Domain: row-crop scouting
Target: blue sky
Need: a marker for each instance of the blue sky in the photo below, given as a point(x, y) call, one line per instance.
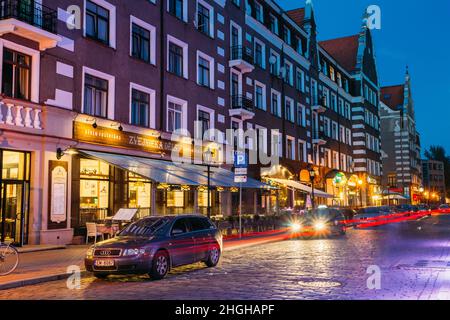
point(414, 33)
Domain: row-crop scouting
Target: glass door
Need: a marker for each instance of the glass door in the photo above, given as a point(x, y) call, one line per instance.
point(12, 212)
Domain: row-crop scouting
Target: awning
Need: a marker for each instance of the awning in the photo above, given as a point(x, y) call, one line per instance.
point(302, 187)
point(172, 173)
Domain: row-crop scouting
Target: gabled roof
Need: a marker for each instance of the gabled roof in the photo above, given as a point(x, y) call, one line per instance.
point(393, 96)
point(298, 15)
point(343, 50)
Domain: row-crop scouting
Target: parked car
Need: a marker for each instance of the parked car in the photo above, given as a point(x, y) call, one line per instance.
point(320, 222)
point(368, 214)
point(154, 245)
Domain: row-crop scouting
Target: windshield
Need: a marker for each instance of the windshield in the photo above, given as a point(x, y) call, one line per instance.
point(324, 214)
point(144, 228)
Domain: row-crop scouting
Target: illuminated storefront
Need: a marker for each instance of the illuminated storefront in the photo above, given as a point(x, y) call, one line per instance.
point(14, 200)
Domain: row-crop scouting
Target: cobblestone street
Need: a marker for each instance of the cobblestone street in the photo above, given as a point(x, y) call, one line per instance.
point(413, 258)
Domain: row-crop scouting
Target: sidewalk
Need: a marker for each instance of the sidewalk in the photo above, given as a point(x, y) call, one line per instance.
point(50, 265)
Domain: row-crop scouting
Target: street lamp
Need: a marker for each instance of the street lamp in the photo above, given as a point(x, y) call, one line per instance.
point(208, 159)
point(312, 176)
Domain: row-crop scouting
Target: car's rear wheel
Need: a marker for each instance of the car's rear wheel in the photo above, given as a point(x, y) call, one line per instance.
point(100, 275)
point(213, 257)
point(160, 265)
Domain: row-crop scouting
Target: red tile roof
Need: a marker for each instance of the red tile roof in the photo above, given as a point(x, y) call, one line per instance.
point(343, 50)
point(298, 15)
point(393, 96)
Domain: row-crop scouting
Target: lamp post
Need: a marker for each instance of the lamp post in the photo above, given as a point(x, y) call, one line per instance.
point(312, 176)
point(208, 159)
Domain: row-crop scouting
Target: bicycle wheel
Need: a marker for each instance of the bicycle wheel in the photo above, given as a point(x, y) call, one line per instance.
point(9, 259)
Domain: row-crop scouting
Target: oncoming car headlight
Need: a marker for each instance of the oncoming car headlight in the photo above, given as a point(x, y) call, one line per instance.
point(133, 252)
point(296, 227)
point(320, 226)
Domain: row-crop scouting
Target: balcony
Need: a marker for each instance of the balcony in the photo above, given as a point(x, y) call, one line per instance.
point(31, 21)
point(320, 106)
point(20, 114)
point(242, 107)
point(319, 138)
point(242, 59)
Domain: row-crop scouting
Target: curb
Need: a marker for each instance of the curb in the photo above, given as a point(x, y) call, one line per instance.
point(37, 249)
point(38, 280)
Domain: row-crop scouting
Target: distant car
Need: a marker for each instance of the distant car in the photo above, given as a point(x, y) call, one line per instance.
point(444, 206)
point(406, 208)
point(154, 245)
point(423, 207)
point(370, 214)
point(320, 222)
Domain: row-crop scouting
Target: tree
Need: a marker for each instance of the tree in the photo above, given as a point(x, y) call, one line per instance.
point(438, 153)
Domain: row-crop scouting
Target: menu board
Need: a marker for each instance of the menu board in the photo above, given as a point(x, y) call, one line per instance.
point(58, 194)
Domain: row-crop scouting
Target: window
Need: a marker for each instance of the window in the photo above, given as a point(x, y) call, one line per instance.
point(140, 108)
point(287, 35)
point(94, 185)
point(174, 116)
point(289, 73)
point(236, 84)
point(176, 59)
point(260, 96)
point(299, 47)
point(273, 24)
point(290, 148)
point(334, 131)
point(300, 80)
point(332, 74)
point(275, 106)
point(289, 110)
point(205, 18)
point(97, 22)
point(175, 199)
point(341, 107)
point(275, 66)
point(302, 151)
point(204, 119)
point(347, 111)
point(314, 93)
point(203, 72)
point(326, 95)
point(260, 55)
point(175, 7)
point(334, 102)
point(236, 2)
point(301, 115)
point(259, 14)
point(16, 82)
point(339, 79)
point(141, 43)
point(95, 96)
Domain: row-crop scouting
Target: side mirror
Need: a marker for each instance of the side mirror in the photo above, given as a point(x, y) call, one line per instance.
point(177, 232)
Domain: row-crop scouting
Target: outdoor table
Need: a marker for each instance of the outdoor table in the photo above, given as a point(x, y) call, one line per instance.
point(109, 230)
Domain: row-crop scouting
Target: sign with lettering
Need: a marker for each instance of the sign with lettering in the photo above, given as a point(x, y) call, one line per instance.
point(112, 137)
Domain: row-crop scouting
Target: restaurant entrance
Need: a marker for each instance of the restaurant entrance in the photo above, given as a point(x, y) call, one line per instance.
point(14, 196)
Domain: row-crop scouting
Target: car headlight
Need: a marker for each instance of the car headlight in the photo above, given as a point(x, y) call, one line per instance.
point(90, 252)
point(295, 227)
point(320, 226)
point(133, 252)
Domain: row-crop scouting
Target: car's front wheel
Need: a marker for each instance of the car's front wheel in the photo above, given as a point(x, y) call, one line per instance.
point(213, 257)
point(160, 265)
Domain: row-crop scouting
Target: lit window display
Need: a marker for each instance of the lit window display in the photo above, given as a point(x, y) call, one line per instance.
point(175, 199)
point(203, 198)
point(139, 194)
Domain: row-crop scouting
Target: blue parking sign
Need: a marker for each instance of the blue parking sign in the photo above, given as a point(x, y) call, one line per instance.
point(240, 160)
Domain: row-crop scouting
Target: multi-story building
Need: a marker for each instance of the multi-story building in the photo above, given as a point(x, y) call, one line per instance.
point(93, 91)
point(400, 142)
point(433, 181)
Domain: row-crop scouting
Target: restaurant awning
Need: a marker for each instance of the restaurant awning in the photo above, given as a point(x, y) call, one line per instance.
point(302, 187)
point(172, 173)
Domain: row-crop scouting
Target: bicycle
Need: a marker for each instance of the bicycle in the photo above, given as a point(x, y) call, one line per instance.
point(9, 259)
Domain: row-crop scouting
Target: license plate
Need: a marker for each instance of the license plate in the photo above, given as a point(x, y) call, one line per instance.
point(104, 263)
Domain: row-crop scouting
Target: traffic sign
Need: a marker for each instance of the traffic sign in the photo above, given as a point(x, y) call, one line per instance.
point(240, 159)
point(240, 179)
point(240, 171)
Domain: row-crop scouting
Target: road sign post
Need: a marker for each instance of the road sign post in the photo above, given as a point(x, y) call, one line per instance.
point(240, 176)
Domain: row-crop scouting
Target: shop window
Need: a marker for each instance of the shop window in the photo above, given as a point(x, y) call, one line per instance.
point(203, 198)
point(175, 199)
point(94, 189)
point(16, 75)
point(139, 194)
point(13, 165)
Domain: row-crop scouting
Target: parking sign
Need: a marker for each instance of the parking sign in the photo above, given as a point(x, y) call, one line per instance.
point(240, 159)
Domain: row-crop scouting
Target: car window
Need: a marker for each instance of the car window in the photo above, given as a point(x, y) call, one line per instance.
point(181, 224)
point(144, 227)
point(199, 224)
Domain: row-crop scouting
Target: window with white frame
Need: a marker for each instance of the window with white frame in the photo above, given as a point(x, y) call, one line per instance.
point(327, 158)
point(301, 115)
point(275, 66)
point(342, 134)
point(335, 160)
point(178, 8)
point(205, 122)
point(205, 70)
point(205, 18)
point(262, 138)
point(289, 110)
point(98, 93)
point(259, 13)
point(290, 147)
point(176, 114)
point(289, 73)
point(343, 163)
point(177, 57)
point(333, 102)
point(100, 21)
point(273, 24)
point(348, 111)
point(277, 143)
point(260, 53)
point(142, 106)
point(143, 40)
point(348, 134)
point(300, 80)
point(327, 127)
point(260, 96)
point(275, 103)
point(334, 130)
point(302, 153)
